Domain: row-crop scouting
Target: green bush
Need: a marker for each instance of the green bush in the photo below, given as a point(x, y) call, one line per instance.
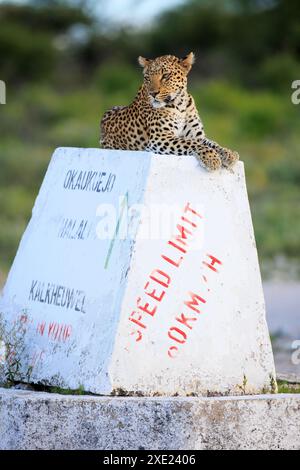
point(112, 77)
point(24, 55)
point(279, 71)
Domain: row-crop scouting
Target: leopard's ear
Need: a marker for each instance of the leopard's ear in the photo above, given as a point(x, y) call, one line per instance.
point(188, 61)
point(143, 62)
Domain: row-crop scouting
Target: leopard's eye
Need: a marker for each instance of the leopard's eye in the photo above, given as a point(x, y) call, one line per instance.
point(165, 76)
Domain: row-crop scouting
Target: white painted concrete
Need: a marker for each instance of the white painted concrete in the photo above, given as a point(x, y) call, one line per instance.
point(134, 325)
point(31, 420)
point(228, 347)
point(69, 282)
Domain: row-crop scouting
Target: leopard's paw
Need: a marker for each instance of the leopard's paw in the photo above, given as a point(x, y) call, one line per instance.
point(228, 157)
point(210, 159)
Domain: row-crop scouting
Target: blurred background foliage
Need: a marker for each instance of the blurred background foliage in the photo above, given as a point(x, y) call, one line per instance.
point(64, 66)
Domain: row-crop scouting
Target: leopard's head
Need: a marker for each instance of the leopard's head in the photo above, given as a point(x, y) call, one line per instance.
point(165, 77)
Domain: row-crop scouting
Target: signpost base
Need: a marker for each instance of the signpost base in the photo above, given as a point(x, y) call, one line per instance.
point(138, 274)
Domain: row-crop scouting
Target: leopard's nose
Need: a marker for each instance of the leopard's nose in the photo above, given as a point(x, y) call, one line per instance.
point(154, 93)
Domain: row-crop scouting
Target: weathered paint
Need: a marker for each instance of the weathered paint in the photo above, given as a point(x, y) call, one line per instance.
point(265, 422)
point(155, 314)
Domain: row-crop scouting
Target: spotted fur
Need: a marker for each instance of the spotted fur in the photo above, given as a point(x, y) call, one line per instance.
point(163, 117)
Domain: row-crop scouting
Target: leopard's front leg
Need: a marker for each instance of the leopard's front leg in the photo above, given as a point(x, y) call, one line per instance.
point(167, 143)
point(193, 129)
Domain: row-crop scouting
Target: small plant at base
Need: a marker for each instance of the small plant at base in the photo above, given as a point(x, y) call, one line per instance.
point(244, 385)
point(13, 350)
point(273, 384)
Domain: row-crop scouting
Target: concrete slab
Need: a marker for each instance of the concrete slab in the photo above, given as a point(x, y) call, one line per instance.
point(31, 420)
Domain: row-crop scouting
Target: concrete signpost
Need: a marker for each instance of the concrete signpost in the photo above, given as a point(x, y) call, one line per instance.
point(138, 273)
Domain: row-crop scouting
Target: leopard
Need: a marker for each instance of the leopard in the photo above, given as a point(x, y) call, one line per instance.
point(163, 118)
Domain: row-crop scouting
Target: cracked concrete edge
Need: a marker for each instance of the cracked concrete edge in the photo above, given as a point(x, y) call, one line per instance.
point(38, 420)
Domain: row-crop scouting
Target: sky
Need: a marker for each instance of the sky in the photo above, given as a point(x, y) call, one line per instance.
point(134, 11)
